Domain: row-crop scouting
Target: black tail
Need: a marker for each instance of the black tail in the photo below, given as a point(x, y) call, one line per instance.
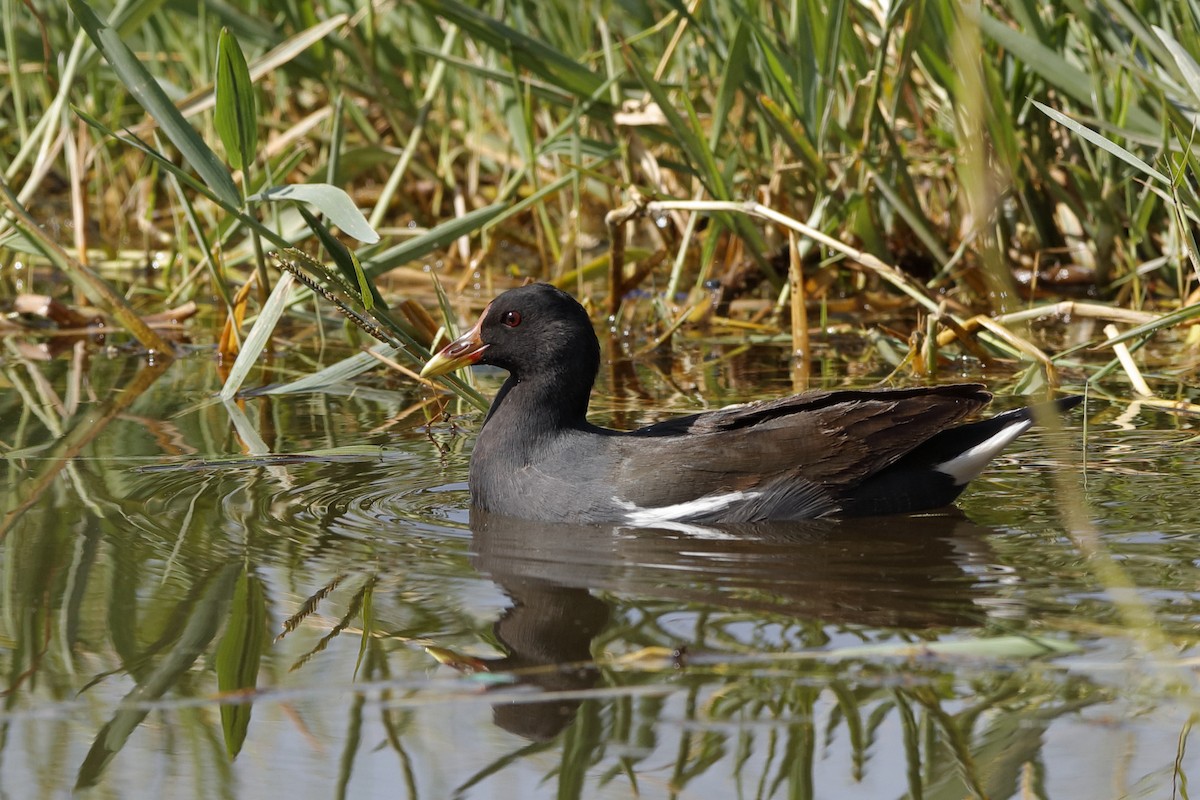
point(935, 472)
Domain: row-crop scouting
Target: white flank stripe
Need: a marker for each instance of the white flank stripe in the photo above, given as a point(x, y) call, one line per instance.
point(966, 465)
point(681, 511)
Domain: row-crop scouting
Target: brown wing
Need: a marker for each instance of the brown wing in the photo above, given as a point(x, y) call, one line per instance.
point(801, 450)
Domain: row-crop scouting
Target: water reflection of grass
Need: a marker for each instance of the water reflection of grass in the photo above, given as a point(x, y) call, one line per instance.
point(680, 665)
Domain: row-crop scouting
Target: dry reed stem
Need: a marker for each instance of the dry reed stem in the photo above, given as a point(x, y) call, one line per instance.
point(1127, 363)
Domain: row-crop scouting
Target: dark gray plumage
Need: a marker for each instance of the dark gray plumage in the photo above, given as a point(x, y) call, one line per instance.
point(816, 454)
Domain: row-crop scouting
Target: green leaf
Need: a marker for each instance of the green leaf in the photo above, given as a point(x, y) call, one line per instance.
point(731, 81)
point(433, 239)
point(334, 203)
point(233, 207)
point(347, 262)
point(1053, 68)
point(1183, 59)
point(149, 94)
point(235, 115)
point(535, 55)
point(260, 334)
point(239, 655)
point(341, 372)
point(1104, 144)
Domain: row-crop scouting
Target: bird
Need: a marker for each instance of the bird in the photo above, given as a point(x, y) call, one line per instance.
point(846, 452)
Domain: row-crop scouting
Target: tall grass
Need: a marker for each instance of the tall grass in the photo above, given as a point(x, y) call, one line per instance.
point(961, 144)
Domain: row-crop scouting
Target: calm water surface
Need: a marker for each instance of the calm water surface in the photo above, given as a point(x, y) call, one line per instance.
point(290, 597)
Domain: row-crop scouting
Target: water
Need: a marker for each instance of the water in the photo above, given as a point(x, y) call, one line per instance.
point(290, 597)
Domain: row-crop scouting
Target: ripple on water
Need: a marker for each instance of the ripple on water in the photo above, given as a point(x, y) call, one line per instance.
point(399, 494)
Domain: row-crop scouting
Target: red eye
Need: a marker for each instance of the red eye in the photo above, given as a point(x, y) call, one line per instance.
point(511, 318)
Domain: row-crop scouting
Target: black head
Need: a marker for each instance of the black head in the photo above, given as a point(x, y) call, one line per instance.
point(536, 332)
point(538, 329)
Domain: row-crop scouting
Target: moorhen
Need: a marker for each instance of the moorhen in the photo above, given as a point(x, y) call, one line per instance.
point(846, 452)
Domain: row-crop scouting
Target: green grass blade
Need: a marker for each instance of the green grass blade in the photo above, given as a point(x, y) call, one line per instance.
point(1183, 59)
point(1053, 68)
point(537, 88)
point(433, 239)
point(341, 372)
point(775, 68)
point(1103, 143)
point(1170, 320)
point(731, 80)
point(257, 339)
point(149, 94)
point(235, 115)
point(539, 58)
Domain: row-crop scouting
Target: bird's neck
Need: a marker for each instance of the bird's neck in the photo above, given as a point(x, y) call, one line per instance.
point(540, 405)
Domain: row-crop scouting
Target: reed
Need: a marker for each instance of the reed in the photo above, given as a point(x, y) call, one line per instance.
point(942, 149)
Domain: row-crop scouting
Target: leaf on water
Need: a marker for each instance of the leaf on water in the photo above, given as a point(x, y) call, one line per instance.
point(333, 202)
point(142, 85)
point(1103, 143)
point(235, 115)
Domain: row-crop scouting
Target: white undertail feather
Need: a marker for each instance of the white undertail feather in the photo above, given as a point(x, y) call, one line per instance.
point(965, 466)
point(690, 509)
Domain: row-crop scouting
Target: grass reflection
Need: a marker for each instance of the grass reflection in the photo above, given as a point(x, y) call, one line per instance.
point(148, 568)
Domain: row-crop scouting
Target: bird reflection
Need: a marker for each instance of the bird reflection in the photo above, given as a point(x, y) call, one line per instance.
point(903, 572)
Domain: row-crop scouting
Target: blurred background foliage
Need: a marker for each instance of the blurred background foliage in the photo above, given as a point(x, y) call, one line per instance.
point(906, 130)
